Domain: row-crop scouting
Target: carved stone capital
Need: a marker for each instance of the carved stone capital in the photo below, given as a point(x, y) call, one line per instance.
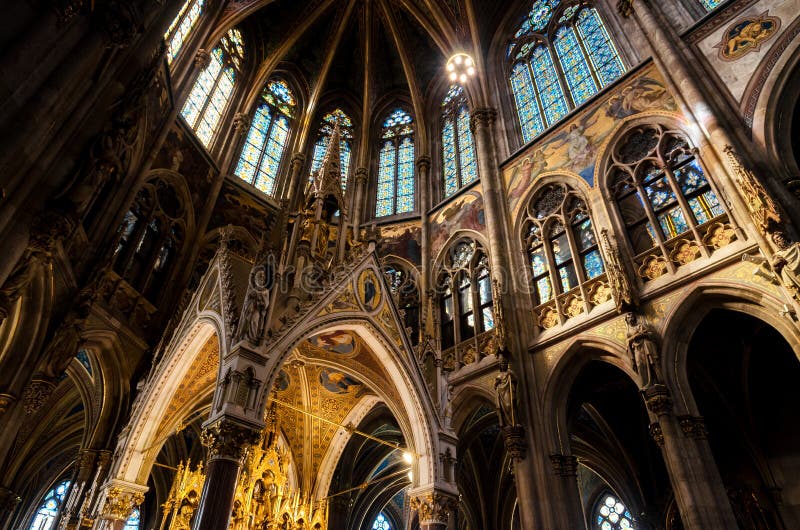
point(434, 507)
point(658, 400)
point(241, 122)
point(298, 158)
point(84, 464)
point(514, 439)
point(8, 500)
point(424, 163)
point(564, 465)
point(625, 8)
point(693, 427)
point(202, 59)
point(657, 434)
point(228, 440)
point(6, 400)
point(362, 174)
point(482, 117)
point(36, 394)
point(120, 502)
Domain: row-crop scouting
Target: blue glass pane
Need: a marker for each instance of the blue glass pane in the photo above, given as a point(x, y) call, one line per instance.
point(385, 198)
point(530, 119)
point(690, 177)
point(381, 523)
point(550, 91)
point(181, 27)
point(573, 63)
point(659, 193)
point(593, 264)
point(538, 262)
point(568, 277)
point(405, 176)
point(585, 235)
point(705, 207)
point(270, 163)
point(344, 161)
point(449, 158)
point(602, 53)
point(469, 165)
point(319, 153)
point(487, 313)
point(398, 117)
point(561, 250)
point(133, 521)
point(711, 5)
point(48, 511)
point(544, 291)
point(672, 222)
point(254, 145)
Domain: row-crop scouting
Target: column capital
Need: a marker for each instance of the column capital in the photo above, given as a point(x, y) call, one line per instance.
point(658, 400)
point(202, 59)
point(228, 440)
point(482, 117)
point(298, 158)
point(424, 162)
point(120, 500)
point(361, 174)
point(514, 439)
point(241, 122)
point(84, 464)
point(434, 507)
point(6, 400)
point(564, 465)
point(693, 427)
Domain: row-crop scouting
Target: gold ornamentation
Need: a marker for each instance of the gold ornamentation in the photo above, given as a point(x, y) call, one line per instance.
point(548, 317)
point(227, 439)
point(574, 306)
point(653, 267)
point(120, 503)
point(763, 209)
point(685, 252)
point(746, 35)
point(434, 508)
point(600, 293)
point(719, 235)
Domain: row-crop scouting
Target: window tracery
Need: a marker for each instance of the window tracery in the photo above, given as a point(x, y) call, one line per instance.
point(460, 167)
point(150, 237)
point(212, 91)
point(611, 514)
point(134, 520)
point(465, 305)
point(48, 511)
point(396, 179)
point(181, 26)
point(663, 198)
point(560, 56)
point(325, 131)
point(266, 141)
point(381, 523)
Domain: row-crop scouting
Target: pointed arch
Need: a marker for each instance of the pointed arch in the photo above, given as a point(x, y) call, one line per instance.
point(396, 193)
point(459, 161)
point(182, 25)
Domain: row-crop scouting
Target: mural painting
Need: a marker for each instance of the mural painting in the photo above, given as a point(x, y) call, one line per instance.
point(466, 212)
point(403, 240)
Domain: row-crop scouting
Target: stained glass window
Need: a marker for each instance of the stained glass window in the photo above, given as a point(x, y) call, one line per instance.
point(458, 148)
point(266, 141)
point(564, 55)
point(325, 131)
point(660, 188)
point(711, 5)
point(381, 523)
point(466, 302)
point(134, 521)
point(181, 27)
point(561, 243)
point(612, 514)
point(211, 92)
point(48, 511)
point(396, 178)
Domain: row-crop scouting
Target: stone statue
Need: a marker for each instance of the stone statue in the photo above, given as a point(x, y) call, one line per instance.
point(786, 263)
point(256, 303)
point(622, 291)
point(643, 350)
point(505, 387)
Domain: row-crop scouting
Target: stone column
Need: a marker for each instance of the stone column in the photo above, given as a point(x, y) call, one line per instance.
point(294, 184)
point(84, 467)
point(8, 503)
point(435, 509)
point(359, 202)
point(700, 495)
point(227, 441)
point(566, 468)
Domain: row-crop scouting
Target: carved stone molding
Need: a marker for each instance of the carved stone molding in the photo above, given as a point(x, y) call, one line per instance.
point(625, 8)
point(564, 465)
point(8, 500)
point(202, 59)
point(434, 507)
point(658, 400)
point(514, 438)
point(228, 440)
point(241, 122)
point(657, 434)
point(482, 117)
point(362, 174)
point(693, 427)
point(36, 394)
point(424, 163)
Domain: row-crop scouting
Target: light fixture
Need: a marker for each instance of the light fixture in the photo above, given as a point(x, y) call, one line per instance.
point(408, 457)
point(460, 67)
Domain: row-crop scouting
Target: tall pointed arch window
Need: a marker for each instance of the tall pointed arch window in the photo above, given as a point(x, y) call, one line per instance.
point(465, 304)
point(47, 513)
point(560, 56)
point(663, 197)
point(611, 514)
point(266, 141)
point(212, 91)
point(325, 131)
point(181, 26)
point(396, 183)
point(460, 167)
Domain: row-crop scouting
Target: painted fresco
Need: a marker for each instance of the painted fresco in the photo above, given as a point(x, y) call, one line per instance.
point(465, 212)
point(402, 240)
point(574, 146)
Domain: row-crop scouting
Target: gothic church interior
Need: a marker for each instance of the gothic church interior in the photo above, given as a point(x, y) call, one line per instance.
point(400, 265)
